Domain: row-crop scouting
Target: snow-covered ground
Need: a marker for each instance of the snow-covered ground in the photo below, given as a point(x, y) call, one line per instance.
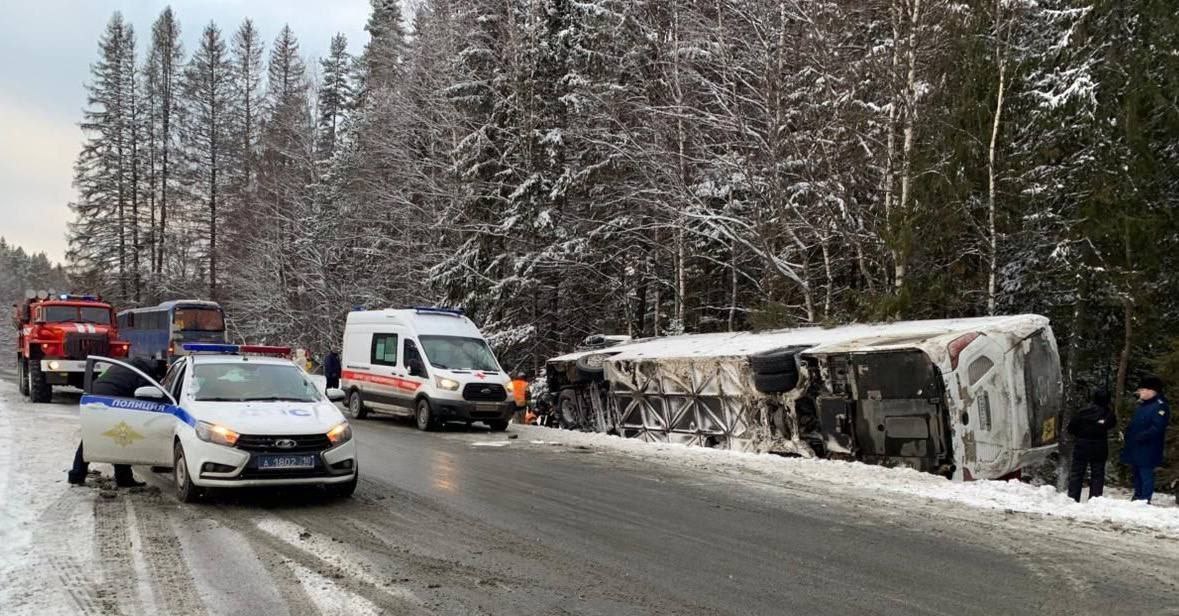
point(1114, 511)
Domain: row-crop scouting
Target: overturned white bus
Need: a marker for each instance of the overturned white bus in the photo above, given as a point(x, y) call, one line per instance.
point(967, 398)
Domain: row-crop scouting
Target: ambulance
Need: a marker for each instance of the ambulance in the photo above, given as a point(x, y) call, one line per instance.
point(431, 364)
point(225, 416)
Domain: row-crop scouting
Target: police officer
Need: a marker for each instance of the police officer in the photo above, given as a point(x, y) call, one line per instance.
point(118, 382)
point(1090, 429)
point(1145, 435)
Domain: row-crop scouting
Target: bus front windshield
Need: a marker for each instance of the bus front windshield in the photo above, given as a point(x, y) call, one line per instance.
point(199, 319)
point(458, 353)
point(251, 382)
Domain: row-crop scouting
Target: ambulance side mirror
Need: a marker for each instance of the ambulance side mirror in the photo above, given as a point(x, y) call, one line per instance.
point(336, 395)
point(149, 392)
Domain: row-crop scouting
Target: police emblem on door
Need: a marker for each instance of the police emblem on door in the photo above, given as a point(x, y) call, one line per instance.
point(122, 434)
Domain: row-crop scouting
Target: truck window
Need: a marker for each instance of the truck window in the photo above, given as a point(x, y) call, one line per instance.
point(384, 349)
point(199, 319)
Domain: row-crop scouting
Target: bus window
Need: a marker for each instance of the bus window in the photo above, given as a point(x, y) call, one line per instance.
point(199, 319)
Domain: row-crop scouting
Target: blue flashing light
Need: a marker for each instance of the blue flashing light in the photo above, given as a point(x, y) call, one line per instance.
point(205, 347)
point(457, 312)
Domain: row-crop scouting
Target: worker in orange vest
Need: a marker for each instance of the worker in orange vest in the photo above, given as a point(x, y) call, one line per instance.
point(520, 393)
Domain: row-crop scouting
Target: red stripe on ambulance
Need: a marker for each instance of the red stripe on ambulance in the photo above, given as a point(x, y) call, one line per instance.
point(377, 379)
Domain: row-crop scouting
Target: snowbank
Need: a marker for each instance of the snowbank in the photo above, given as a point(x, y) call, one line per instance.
point(1114, 512)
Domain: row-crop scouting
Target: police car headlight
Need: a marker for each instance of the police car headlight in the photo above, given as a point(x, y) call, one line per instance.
point(341, 433)
point(445, 383)
point(213, 433)
point(53, 365)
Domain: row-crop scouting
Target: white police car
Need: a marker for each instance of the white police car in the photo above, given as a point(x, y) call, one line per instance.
point(225, 416)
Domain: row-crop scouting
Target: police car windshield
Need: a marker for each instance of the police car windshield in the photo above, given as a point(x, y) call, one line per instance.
point(251, 382)
point(457, 353)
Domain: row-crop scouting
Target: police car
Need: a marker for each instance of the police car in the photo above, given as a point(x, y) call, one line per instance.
point(225, 416)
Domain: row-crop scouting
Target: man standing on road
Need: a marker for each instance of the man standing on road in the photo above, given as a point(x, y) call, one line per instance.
point(1090, 429)
point(331, 369)
point(1145, 435)
point(118, 382)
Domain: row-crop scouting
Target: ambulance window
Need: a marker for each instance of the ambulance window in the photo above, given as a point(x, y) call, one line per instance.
point(384, 349)
point(979, 368)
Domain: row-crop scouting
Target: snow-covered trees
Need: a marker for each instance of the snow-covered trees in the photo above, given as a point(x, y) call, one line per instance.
point(560, 168)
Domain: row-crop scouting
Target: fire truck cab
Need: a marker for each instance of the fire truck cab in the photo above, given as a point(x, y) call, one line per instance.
point(55, 335)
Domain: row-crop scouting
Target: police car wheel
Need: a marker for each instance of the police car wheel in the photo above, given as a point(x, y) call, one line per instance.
point(356, 406)
point(186, 491)
point(425, 416)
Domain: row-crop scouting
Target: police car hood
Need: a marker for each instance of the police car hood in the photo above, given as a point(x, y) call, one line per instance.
point(269, 418)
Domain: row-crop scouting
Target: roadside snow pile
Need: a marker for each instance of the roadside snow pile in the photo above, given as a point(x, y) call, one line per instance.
point(1010, 496)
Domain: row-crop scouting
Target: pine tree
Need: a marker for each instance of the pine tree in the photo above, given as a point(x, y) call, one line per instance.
point(208, 137)
point(104, 169)
point(162, 75)
point(334, 96)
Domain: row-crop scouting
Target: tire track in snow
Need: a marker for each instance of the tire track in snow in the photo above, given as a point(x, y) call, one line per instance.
point(117, 592)
point(172, 585)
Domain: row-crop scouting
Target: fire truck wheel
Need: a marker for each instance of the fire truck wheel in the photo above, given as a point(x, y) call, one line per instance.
point(39, 389)
point(21, 377)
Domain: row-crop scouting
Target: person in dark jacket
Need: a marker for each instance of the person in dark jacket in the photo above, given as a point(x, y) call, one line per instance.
point(1145, 435)
point(1090, 429)
point(331, 369)
point(117, 382)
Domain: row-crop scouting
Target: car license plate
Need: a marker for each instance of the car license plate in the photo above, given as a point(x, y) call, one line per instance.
point(285, 462)
point(487, 407)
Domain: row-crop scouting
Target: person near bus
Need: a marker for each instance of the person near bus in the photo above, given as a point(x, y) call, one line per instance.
point(520, 395)
point(1090, 429)
point(1145, 435)
point(331, 369)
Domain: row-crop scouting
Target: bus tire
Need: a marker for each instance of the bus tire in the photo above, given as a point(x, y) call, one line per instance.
point(39, 389)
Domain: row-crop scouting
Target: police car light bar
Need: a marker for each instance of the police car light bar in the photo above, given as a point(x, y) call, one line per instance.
point(457, 312)
point(236, 349)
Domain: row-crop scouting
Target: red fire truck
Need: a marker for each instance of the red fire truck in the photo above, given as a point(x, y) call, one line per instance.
point(55, 335)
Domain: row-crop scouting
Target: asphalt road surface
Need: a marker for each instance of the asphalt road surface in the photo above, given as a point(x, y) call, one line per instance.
point(460, 523)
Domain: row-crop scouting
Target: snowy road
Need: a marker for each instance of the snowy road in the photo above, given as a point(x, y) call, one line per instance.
point(472, 523)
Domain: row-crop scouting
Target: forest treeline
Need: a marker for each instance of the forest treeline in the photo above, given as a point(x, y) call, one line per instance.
point(560, 168)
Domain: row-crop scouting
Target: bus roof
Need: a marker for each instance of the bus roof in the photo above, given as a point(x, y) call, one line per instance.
point(176, 303)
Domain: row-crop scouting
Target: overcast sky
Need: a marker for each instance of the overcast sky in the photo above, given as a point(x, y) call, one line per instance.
point(46, 48)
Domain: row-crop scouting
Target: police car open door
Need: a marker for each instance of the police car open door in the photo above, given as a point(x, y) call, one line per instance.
point(123, 429)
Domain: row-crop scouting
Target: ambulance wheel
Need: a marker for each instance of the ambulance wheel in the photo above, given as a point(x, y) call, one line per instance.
point(186, 490)
point(356, 406)
point(424, 416)
point(39, 389)
point(22, 380)
point(344, 490)
point(498, 425)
